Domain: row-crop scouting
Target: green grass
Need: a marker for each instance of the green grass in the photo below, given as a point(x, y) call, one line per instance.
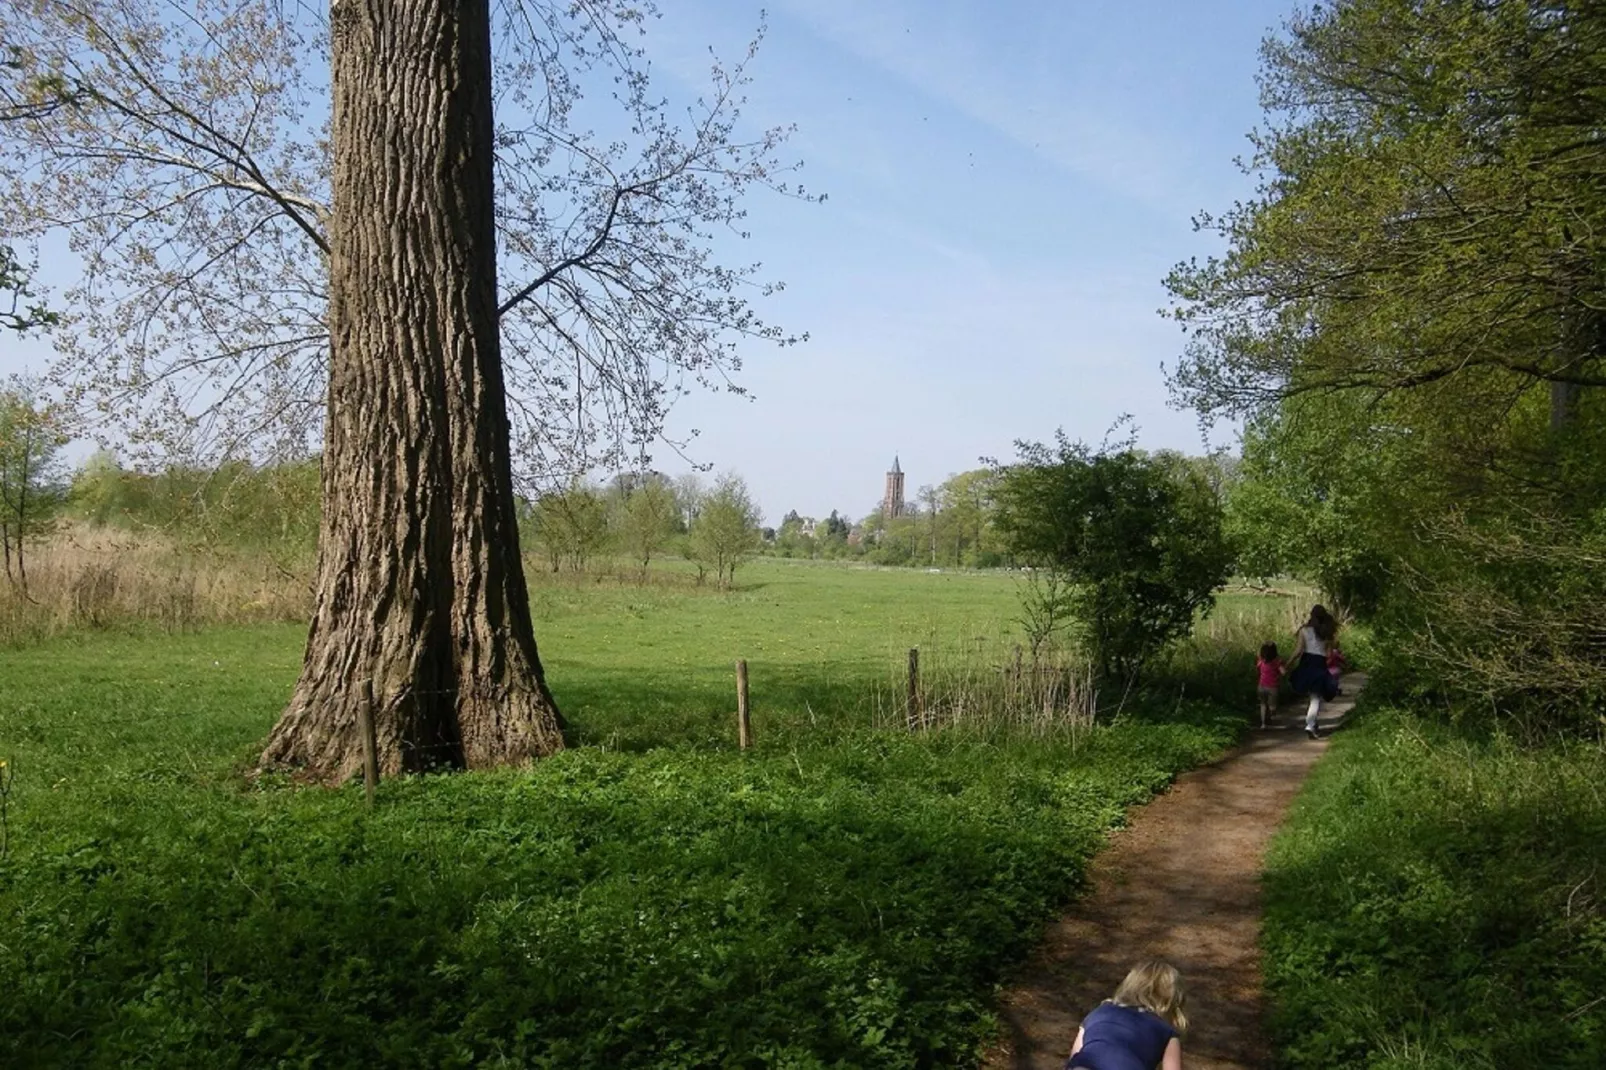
point(1439, 900)
point(634, 667)
point(841, 896)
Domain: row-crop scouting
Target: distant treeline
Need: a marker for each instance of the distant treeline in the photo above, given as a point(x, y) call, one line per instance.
point(275, 508)
point(237, 505)
point(633, 516)
point(953, 524)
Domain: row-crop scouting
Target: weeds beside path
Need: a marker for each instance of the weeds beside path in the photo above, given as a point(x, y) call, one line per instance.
point(1180, 883)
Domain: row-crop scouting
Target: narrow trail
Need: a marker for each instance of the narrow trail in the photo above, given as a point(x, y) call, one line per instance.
point(1181, 882)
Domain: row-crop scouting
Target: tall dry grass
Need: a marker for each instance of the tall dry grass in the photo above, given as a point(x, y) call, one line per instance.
point(989, 683)
point(86, 578)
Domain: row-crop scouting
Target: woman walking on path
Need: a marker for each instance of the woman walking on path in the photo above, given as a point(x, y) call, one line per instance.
point(1139, 1028)
point(1310, 675)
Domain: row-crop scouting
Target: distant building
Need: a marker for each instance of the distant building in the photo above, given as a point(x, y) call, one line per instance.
point(892, 500)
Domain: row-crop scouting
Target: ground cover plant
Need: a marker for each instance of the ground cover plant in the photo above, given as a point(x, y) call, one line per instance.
point(1438, 899)
point(839, 896)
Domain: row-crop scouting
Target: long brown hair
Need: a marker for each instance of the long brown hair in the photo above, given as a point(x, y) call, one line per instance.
point(1155, 986)
point(1322, 623)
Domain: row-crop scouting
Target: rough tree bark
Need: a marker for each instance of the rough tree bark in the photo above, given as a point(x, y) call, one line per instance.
point(420, 584)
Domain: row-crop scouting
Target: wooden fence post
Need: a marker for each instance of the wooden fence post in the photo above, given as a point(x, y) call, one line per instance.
point(370, 746)
point(914, 714)
point(744, 719)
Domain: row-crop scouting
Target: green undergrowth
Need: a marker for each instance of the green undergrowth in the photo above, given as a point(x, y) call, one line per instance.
point(841, 898)
point(1438, 900)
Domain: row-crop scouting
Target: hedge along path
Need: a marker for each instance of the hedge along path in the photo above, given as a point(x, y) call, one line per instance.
point(1181, 882)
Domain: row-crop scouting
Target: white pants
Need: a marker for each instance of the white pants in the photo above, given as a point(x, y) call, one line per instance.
point(1311, 711)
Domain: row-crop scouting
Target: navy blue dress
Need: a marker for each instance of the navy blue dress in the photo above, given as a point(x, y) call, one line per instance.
point(1310, 676)
point(1122, 1038)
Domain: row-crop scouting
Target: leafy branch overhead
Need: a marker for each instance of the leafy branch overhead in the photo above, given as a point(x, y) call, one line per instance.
point(18, 312)
point(1428, 210)
point(186, 151)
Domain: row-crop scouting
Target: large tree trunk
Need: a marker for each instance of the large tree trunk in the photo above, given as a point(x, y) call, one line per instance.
point(421, 594)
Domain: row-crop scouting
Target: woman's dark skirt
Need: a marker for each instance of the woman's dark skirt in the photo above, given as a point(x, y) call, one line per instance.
point(1310, 677)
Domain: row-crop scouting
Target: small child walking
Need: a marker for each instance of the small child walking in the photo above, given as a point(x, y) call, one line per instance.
point(1270, 668)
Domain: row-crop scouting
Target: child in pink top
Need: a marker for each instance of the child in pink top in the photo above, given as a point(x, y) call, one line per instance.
point(1271, 669)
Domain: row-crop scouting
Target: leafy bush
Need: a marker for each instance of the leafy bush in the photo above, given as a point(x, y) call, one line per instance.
point(1439, 900)
point(1138, 535)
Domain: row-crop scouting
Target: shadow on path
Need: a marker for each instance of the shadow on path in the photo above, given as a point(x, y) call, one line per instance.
point(1181, 883)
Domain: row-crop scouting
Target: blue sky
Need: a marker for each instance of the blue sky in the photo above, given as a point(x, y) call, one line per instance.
point(1008, 182)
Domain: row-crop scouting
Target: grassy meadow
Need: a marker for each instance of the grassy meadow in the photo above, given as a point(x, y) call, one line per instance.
point(1438, 899)
point(846, 894)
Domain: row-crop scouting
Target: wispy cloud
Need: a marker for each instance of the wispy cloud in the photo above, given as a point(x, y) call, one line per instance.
point(1040, 101)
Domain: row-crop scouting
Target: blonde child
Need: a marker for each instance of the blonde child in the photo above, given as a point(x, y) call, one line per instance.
point(1139, 1028)
point(1269, 669)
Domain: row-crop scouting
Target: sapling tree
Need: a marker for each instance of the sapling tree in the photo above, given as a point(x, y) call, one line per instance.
point(485, 236)
point(571, 525)
point(1047, 605)
point(725, 533)
point(32, 433)
point(645, 516)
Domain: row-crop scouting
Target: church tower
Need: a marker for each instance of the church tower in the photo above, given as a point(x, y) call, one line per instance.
point(892, 501)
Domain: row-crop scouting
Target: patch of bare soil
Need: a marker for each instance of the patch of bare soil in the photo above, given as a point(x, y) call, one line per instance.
point(1181, 882)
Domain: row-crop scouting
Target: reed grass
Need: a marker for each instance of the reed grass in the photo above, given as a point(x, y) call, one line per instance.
point(985, 680)
point(93, 579)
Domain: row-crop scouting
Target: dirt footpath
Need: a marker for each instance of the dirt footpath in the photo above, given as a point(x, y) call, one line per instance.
point(1181, 883)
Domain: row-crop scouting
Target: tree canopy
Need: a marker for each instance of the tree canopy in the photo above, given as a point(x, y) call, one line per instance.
point(725, 533)
point(1410, 314)
point(186, 152)
point(1428, 212)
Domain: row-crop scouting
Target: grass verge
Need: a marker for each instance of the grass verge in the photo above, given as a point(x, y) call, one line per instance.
point(1438, 899)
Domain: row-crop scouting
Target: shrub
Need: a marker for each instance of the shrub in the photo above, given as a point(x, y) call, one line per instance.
point(1139, 537)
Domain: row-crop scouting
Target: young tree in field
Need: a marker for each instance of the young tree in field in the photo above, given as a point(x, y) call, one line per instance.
point(930, 499)
point(725, 533)
point(260, 268)
point(646, 518)
point(572, 525)
point(1140, 539)
point(31, 486)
